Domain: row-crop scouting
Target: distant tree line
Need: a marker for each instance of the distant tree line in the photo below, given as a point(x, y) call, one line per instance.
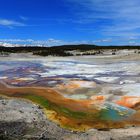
point(64, 50)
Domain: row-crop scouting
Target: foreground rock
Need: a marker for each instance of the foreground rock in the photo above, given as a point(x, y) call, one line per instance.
point(21, 119)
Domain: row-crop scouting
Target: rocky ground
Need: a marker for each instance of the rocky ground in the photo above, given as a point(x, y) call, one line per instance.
point(22, 120)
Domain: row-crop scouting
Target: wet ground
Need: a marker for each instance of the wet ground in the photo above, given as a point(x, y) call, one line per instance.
point(100, 90)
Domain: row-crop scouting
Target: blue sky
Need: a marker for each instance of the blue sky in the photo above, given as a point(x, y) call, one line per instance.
point(54, 22)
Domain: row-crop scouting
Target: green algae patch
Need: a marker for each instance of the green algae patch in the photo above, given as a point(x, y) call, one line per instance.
point(73, 114)
point(39, 100)
point(59, 109)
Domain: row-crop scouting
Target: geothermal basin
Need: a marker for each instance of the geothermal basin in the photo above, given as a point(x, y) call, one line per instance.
point(77, 93)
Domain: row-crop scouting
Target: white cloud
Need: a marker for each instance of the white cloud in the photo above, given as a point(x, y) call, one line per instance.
point(23, 18)
point(102, 40)
point(109, 17)
point(10, 23)
point(48, 42)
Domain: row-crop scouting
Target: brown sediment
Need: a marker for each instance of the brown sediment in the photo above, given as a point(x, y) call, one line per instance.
point(54, 97)
point(49, 94)
point(71, 104)
point(129, 101)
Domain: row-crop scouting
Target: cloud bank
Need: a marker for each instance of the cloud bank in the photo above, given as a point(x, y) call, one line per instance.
point(57, 42)
point(115, 18)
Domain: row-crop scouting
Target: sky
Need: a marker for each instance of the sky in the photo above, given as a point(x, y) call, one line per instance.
point(57, 22)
